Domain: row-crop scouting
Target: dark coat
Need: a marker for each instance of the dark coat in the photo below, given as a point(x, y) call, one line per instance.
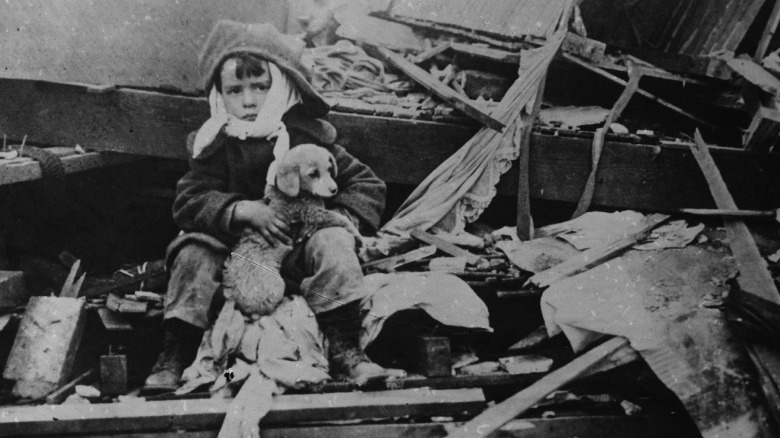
point(231, 170)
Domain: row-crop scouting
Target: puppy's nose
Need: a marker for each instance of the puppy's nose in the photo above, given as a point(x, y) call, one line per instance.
point(333, 190)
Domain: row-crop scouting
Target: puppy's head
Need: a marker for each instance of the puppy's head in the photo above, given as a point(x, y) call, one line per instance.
point(307, 168)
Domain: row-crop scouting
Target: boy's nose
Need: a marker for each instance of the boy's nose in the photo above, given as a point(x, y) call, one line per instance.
point(249, 99)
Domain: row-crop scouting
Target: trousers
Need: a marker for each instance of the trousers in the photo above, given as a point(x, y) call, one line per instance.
point(325, 270)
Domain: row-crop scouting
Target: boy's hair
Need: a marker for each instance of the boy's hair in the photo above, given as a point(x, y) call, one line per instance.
point(247, 64)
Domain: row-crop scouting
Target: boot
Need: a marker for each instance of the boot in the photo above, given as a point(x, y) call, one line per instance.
point(341, 327)
point(180, 346)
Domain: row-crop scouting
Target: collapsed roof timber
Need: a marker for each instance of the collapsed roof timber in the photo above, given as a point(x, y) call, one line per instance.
point(585, 191)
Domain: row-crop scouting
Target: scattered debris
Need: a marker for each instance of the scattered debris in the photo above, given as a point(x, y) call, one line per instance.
point(526, 364)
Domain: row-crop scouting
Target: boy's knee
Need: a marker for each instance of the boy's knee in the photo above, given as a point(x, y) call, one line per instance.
point(334, 237)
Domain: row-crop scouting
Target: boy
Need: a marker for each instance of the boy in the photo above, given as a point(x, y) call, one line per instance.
point(261, 105)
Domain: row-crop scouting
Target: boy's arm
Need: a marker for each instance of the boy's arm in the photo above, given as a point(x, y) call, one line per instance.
point(202, 201)
point(361, 193)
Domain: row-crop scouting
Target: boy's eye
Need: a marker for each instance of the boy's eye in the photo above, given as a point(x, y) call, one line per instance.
point(233, 90)
point(260, 87)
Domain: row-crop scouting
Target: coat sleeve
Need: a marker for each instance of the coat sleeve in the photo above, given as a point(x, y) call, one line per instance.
point(203, 202)
point(361, 192)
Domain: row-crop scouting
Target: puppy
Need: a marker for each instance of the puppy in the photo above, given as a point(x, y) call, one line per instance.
point(304, 179)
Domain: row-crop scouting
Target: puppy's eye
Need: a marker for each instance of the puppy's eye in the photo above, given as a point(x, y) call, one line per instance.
point(314, 174)
point(330, 170)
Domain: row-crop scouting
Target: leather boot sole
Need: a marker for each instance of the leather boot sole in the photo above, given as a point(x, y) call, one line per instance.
point(161, 382)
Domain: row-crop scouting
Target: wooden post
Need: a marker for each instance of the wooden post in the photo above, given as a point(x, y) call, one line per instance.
point(769, 32)
point(754, 277)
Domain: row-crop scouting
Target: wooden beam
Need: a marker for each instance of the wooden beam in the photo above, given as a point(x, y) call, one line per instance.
point(61, 394)
point(583, 426)
point(634, 176)
point(444, 246)
point(755, 74)
point(494, 417)
point(601, 72)
point(481, 51)
point(754, 277)
point(29, 170)
point(763, 131)
point(731, 213)
point(598, 140)
point(430, 53)
point(449, 95)
point(524, 221)
point(63, 420)
point(595, 256)
point(769, 32)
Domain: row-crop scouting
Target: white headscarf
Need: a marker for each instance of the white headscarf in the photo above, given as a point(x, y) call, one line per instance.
point(282, 95)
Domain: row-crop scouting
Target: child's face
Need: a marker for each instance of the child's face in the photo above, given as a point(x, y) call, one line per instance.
point(244, 97)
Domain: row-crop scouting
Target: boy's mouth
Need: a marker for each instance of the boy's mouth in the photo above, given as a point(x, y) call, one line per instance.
point(249, 117)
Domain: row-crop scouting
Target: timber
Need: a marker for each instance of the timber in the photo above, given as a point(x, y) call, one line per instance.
point(754, 277)
point(209, 414)
point(635, 176)
point(29, 170)
point(494, 417)
point(597, 255)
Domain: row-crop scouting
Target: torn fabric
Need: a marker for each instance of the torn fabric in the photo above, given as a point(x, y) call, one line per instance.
point(445, 297)
point(461, 188)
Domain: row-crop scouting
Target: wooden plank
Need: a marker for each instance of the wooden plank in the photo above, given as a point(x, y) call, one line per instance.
point(598, 140)
point(444, 246)
point(449, 95)
point(494, 417)
point(755, 74)
point(634, 176)
point(730, 213)
point(754, 277)
point(763, 131)
point(769, 32)
point(483, 51)
point(430, 53)
point(601, 72)
point(389, 264)
point(595, 256)
point(524, 220)
point(590, 426)
point(61, 394)
point(31, 170)
point(209, 413)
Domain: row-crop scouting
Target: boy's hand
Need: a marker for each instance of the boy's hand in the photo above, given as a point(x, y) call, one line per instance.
point(261, 217)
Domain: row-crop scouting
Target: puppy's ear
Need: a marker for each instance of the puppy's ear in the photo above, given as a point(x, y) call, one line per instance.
point(288, 180)
point(332, 160)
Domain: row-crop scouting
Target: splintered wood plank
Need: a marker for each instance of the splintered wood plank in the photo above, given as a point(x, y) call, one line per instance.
point(449, 95)
point(595, 256)
point(209, 413)
point(494, 417)
point(754, 276)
